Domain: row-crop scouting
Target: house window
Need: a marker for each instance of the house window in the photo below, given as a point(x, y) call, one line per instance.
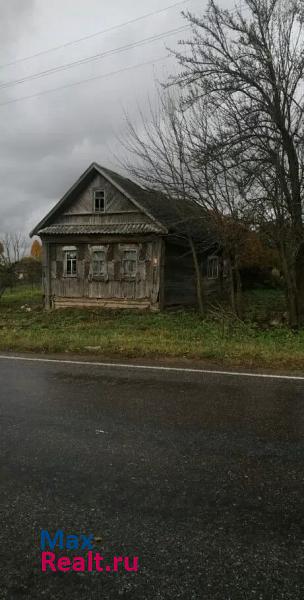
point(99, 265)
point(99, 201)
point(129, 263)
point(213, 267)
point(225, 267)
point(71, 263)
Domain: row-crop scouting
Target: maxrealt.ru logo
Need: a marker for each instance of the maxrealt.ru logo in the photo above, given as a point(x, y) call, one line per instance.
point(87, 562)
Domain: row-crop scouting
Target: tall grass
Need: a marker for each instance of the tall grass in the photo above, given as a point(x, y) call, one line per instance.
point(25, 326)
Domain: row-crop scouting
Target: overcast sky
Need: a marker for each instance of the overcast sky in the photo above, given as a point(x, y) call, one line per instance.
point(47, 141)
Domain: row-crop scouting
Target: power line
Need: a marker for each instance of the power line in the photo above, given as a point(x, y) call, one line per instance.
point(93, 58)
point(96, 34)
point(112, 73)
point(105, 75)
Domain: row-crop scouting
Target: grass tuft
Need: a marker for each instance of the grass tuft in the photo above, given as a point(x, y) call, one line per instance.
point(25, 326)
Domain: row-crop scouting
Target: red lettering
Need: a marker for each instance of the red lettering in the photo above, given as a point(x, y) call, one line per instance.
point(117, 560)
point(64, 564)
point(47, 560)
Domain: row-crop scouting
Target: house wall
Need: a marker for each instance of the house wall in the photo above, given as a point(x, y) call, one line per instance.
point(165, 272)
point(119, 209)
point(113, 290)
point(179, 277)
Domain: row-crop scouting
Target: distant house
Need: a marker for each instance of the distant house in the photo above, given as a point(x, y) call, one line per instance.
point(109, 242)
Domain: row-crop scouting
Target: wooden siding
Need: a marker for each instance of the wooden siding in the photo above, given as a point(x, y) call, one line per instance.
point(86, 289)
point(119, 209)
point(115, 200)
point(179, 276)
point(165, 273)
point(179, 287)
point(99, 219)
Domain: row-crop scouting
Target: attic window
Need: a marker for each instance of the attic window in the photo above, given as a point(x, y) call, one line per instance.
point(99, 201)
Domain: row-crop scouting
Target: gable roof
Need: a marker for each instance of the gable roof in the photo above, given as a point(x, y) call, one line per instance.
point(167, 214)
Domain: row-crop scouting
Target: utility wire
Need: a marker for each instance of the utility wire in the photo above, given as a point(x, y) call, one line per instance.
point(93, 35)
point(94, 58)
point(105, 75)
point(112, 73)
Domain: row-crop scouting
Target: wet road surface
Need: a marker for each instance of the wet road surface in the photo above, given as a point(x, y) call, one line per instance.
point(199, 475)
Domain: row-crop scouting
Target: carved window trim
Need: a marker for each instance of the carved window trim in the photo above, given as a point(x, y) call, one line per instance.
point(125, 272)
point(93, 276)
point(70, 262)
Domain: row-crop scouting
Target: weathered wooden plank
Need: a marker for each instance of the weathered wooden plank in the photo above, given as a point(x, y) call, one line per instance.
point(115, 285)
point(115, 200)
point(102, 218)
point(179, 276)
point(64, 302)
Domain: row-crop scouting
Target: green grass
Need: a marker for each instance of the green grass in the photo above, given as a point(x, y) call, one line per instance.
point(180, 334)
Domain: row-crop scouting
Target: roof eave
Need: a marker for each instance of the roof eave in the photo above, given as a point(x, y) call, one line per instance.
point(62, 200)
point(129, 196)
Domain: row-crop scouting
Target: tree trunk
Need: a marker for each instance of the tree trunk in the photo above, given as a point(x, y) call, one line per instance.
point(235, 286)
point(290, 278)
point(199, 278)
point(299, 269)
point(238, 288)
point(292, 303)
point(232, 289)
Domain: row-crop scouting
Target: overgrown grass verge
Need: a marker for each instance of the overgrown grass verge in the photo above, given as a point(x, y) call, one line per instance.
point(25, 326)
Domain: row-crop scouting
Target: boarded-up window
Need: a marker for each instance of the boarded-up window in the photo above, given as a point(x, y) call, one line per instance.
point(110, 252)
point(129, 262)
point(99, 264)
point(71, 263)
point(143, 251)
point(213, 267)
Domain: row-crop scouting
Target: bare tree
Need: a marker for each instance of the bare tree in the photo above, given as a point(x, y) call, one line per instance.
point(177, 151)
point(13, 247)
point(12, 250)
point(222, 187)
point(161, 163)
point(249, 65)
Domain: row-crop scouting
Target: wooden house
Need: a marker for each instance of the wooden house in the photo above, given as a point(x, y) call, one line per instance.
point(110, 243)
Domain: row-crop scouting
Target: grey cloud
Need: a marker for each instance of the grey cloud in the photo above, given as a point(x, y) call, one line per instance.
point(47, 141)
point(14, 19)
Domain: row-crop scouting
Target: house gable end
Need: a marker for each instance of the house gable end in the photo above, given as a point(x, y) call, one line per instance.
point(77, 205)
point(115, 201)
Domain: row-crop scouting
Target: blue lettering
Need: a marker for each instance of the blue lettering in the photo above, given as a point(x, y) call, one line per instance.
point(87, 542)
point(47, 541)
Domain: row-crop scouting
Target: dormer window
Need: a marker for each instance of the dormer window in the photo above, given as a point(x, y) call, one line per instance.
point(99, 201)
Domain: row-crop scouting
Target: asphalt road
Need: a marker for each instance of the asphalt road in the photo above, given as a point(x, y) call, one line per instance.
point(199, 475)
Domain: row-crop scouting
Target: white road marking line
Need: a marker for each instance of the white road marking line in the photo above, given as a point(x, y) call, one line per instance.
point(153, 368)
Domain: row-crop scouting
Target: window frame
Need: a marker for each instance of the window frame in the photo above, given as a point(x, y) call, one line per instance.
point(128, 248)
point(73, 260)
point(100, 276)
point(210, 269)
point(98, 191)
point(103, 274)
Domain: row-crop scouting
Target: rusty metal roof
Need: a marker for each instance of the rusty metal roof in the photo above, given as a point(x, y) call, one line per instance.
point(106, 229)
